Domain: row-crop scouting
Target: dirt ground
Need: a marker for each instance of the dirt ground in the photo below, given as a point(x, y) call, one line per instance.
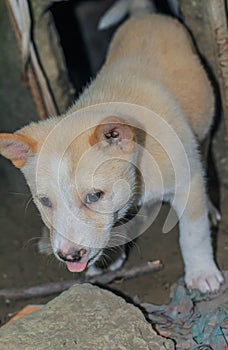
point(20, 262)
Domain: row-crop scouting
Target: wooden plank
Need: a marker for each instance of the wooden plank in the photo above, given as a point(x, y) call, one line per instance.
point(27, 310)
point(45, 70)
point(207, 21)
point(218, 21)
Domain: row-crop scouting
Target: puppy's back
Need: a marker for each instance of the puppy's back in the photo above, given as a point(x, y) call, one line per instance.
point(165, 53)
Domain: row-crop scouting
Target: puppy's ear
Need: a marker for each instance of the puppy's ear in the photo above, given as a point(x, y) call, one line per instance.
point(18, 148)
point(115, 133)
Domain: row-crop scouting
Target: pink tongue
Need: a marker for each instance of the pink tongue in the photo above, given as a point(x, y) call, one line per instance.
point(76, 266)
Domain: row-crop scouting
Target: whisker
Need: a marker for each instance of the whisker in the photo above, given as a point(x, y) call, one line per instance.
point(18, 193)
point(104, 259)
point(31, 242)
point(52, 258)
point(117, 242)
point(124, 235)
point(135, 245)
point(117, 248)
point(27, 204)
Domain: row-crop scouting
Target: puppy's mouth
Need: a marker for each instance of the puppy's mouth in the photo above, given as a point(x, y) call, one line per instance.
point(77, 266)
point(80, 266)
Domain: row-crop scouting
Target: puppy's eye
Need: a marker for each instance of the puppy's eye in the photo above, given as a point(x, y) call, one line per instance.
point(93, 197)
point(45, 201)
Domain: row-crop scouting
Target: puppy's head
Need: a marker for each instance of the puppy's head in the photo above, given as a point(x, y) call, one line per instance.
point(82, 183)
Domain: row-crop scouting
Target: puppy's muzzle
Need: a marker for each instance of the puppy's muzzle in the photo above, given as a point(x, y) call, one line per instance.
point(74, 256)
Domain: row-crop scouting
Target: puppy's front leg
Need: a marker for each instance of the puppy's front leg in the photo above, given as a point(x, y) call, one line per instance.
point(195, 240)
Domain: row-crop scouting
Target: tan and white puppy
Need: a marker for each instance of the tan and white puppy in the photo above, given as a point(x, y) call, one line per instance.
point(152, 104)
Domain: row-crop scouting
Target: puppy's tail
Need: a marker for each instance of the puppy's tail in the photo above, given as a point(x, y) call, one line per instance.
point(121, 8)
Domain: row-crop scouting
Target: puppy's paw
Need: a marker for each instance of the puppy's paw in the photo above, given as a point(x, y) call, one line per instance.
point(207, 280)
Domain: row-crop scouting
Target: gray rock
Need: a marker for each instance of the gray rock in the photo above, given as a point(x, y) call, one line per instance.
point(87, 318)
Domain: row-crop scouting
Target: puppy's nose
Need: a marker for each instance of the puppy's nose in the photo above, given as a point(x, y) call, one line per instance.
point(73, 256)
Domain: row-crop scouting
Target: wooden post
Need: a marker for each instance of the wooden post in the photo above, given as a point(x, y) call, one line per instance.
point(217, 15)
point(45, 69)
point(207, 20)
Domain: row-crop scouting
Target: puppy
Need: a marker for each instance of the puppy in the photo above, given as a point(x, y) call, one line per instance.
point(130, 139)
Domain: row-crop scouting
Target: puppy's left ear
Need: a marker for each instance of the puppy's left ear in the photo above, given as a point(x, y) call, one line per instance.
point(17, 148)
point(113, 133)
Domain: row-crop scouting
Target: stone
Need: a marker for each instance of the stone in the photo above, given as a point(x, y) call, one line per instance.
point(87, 318)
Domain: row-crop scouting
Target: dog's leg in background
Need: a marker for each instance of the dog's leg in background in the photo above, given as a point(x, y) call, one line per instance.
point(44, 243)
point(174, 7)
point(122, 8)
point(195, 241)
point(214, 213)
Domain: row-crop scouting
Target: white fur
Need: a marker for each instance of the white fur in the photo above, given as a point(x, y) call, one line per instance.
point(200, 270)
point(165, 105)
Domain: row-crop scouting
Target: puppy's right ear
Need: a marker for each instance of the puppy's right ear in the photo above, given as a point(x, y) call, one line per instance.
point(18, 148)
point(115, 134)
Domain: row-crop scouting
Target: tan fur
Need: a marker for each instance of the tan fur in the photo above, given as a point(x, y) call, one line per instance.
point(160, 52)
point(151, 63)
point(7, 139)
